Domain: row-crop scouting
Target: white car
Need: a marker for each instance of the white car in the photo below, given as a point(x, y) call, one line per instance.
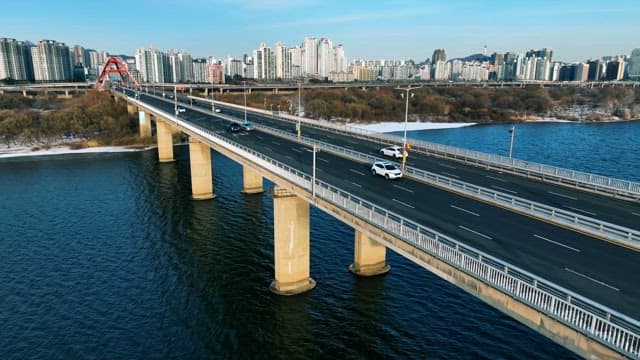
point(217, 109)
point(180, 110)
point(386, 169)
point(393, 151)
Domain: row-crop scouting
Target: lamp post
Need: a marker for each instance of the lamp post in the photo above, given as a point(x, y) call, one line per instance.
point(299, 125)
point(313, 180)
point(406, 117)
point(213, 105)
point(278, 109)
point(512, 130)
point(245, 100)
point(175, 100)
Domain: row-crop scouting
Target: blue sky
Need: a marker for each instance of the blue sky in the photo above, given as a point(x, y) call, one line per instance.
point(371, 29)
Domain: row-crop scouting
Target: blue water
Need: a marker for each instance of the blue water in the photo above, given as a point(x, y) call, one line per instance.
point(610, 149)
point(105, 256)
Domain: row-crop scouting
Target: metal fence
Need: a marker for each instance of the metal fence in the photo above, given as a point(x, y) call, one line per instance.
point(594, 320)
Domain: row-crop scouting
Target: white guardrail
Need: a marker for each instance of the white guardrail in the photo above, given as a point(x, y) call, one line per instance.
point(594, 320)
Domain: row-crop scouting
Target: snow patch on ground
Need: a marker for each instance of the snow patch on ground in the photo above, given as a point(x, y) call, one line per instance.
point(385, 127)
point(16, 151)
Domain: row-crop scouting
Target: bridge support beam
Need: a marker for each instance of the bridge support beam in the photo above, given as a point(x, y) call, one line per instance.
point(200, 163)
point(145, 124)
point(165, 141)
point(291, 244)
point(131, 109)
point(369, 257)
point(251, 181)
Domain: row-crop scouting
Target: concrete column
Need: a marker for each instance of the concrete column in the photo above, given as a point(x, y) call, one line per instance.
point(165, 141)
point(24, 93)
point(200, 162)
point(291, 244)
point(369, 257)
point(145, 125)
point(251, 181)
point(131, 108)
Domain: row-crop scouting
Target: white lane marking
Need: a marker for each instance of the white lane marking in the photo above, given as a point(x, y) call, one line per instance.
point(347, 146)
point(403, 203)
point(447, 166)
point(260, 137)
point(403, 188)
point(288, 157)
point(503, 189)
point(321, 159)
point(356, 171)
point(296, 150)
point(268, 148)
point(592, 279)
point(358, 185)
point(636, 214)
point(475, 232)
point(580, 210)
point(351, 141)
point(276, 143)
point(557, 243)
point(564, 196)
point(464, 210)
point(448, 174)
point(496, 179)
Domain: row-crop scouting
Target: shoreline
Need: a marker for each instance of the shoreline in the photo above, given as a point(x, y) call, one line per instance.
point(24, 151)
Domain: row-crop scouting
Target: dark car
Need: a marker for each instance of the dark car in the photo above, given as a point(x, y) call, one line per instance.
point(235, 127)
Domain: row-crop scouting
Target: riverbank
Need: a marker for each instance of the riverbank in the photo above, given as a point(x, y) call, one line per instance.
point(23, 151)
point(384, 127)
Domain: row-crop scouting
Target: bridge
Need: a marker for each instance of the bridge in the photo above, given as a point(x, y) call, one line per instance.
point(555, 249)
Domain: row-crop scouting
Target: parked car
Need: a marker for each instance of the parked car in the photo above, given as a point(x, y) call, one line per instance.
point(393, 151)
point(248, 126)
point(235, 127)
point(386, 169)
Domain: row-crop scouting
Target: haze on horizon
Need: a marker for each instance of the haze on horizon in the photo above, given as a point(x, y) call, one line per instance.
point(377, 29)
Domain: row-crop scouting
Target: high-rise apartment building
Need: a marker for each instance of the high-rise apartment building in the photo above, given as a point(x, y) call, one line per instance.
point(200, 70)
point(279, 57)
point(615, 70)
point(310, 55)
point(52, 61)
point(326, 58)
point(15, 60)
point(581, 72)
point(596, 70)
point(438, 55)
point(634, 65)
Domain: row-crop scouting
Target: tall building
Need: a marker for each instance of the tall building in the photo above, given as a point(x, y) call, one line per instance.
point(279, 57)
point(310, 55)
point(200, 70)
point(596, 70)
point(154, 65)
point(326, 58)
point(511, 66)
point(341, 59)
point(15, 60)
point(438, 55)
point(582, 72)
point(216, 73)
point(615, 70)
point(52, 61)
point(634, 65)
point(264, 67)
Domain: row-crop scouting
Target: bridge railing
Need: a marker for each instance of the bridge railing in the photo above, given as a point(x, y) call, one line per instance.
point(589, 318)
point(570, 219)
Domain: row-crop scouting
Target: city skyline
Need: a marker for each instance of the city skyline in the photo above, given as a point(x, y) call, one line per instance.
point(381, 30)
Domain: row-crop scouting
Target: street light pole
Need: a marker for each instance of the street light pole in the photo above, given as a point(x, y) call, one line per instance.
point(175, 100)
point(406, 118)
point(213, 105)
point(245, 101)
point(299, 127)
point(513, 133)
point(313, 181)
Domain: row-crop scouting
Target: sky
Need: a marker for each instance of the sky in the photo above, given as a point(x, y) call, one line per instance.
point(368, 29)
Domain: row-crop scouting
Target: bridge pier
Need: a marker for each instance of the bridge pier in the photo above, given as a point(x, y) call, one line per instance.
point(291, 244)
point(200, 165)
point(24, 93)
point(251, 181)
point(145, 125)
point(131, 108)
point(165, 142)
point(369, 256)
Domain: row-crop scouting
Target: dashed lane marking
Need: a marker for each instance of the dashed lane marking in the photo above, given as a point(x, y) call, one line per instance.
point(403, 188)
point(592, 279)
point(557, 243)
point(562, 195)
point(356, 171)
point(464, 210)
point(403, 203)
point(503, 189)
point(580, 210)
point(475, 232)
